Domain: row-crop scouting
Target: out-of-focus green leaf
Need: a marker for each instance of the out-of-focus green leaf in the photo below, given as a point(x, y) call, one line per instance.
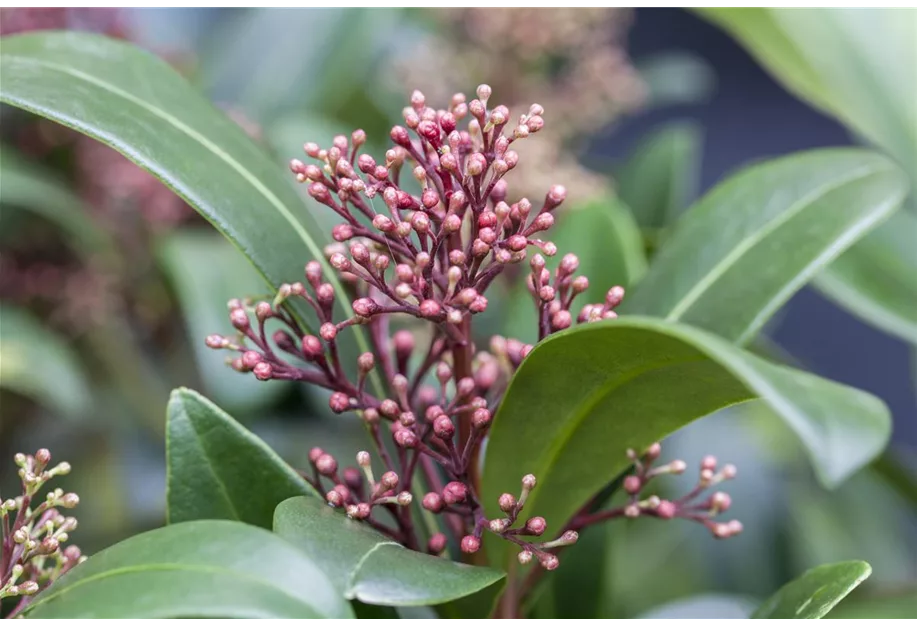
point(815, 592)
point(201, 569)
point(369, 567)
point(586, 395)
point(219, 470)
point(676, 78)
point(743, 249)
point(893, 605)
point(662, 174)
point(138, 105)
point(38, 363)
point(876, 279)
point(26, 185)
point(704, 606)
point(206, 271)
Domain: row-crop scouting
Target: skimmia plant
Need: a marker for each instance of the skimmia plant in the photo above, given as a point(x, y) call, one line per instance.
point(432, 256)
point(488, 451)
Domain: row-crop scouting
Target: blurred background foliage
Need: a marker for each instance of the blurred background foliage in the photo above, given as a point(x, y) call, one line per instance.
point(109, 283)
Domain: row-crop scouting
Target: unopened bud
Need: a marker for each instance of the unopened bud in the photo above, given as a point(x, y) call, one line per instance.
point(455, 492)
point(507, 502)
point(263, 371)
point(437, 543)
point(443, 427)
point(471, 544)
point(535, 526)
point(326, 465)
point(524, 557)
point(339, 402)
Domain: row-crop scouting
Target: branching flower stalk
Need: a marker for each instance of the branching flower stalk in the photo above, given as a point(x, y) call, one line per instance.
point(430, 255)
point(33, 531)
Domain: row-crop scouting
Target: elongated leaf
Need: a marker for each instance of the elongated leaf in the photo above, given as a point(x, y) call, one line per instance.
point(877, 279)
point(586, 395)
point(219, 470)
point(203, 569)
point(206, 271)
point(27, 186)
point(369, 567)
point(607, 241)
point(815, 592)
point(662, 175)
point(138, 105)
point(849, 63)
point(36, 362)
point(743, 249)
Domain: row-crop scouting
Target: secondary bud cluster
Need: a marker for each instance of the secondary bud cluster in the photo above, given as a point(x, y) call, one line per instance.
point(33, 531)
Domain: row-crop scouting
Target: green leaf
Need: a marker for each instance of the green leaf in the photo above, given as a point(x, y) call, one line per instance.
point(662, 174)
point(586, 395)
point(28, 186)
point(135, 103)
point(854, 64)
point(206, 271)
point(203, 569)
point(876, 279)
point(813, 594)
point(219, 470)
point(370, 567)
point(749, 244)
point(38, 363)
point(607, 241)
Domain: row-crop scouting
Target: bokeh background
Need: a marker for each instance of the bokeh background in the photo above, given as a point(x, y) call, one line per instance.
point(109, 283)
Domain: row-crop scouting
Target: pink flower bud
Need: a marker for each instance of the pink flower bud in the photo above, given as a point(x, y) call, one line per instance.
point(366, 362)
point(555, 196)
point(239, 319)
point(339, 402)
point(561, 320)
point(400, 136)
point(433, 502)
point(487, 235)
point(250, 359)
point(359, 252)
point(334, 498)
point(632, 484)
point(420, 222)
point(455, 492)
point(535, 526)
point(507, 502)
point(405, 438)
point(366, 164)
point(542, 223)
point(389, 480)
point(529, 482)
point(340, 262)
point(480, 419)
point(614, 297)
point(430, 309)
point(314, 453)
point(326, 465)
point(311, 149)
point(263, 371)
point(366, 307)
point(525, 557)
point(328, 331)
point(729, 471)
point(475, 164)
point(480, 248)
point(471, 544)
point(487, 220)
point(389, 408)
point(429, 131)
point(516, 242)
point(437, 543)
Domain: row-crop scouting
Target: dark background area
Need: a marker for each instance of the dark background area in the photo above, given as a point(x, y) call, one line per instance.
point(751, 117)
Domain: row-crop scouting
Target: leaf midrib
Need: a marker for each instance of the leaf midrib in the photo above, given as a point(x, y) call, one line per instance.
point(583, 410)
point(235, 165)
point(165, 566)
point(680, 308)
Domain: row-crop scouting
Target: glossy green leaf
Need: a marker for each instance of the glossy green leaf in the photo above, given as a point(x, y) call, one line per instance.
point(586, 395)
point(36, 362)
point(854, 64)
point(202, 569)
point(206, 271)
point(368, 566)
point(743, 249)
point(26, 185)
point(607, 241)
point(135, 103)
point(217, 469)
point(815, 592)
point(877, 279)
point(662, 174)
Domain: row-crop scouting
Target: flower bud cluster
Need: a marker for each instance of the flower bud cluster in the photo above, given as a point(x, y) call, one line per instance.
point(33, 531)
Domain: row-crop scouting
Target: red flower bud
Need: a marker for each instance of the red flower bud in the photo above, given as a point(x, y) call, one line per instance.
point(263, 371)
point(436, 544)
point(471, 544)
point(400, 136)
point(433, 502)
point(535, 526)
point(339, 402)
point(455, 492)
point(443, 427)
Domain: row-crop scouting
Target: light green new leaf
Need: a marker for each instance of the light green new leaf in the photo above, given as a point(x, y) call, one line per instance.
point(662, 174)
point(743, 249)
point(203, 569)
point(369, 567)
point(26, 185)
point(135, 103)
point(36, 362)
point(206, 271)
point(815, 592)
point(586, 395)
point(877, 278)
point(217, 469)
